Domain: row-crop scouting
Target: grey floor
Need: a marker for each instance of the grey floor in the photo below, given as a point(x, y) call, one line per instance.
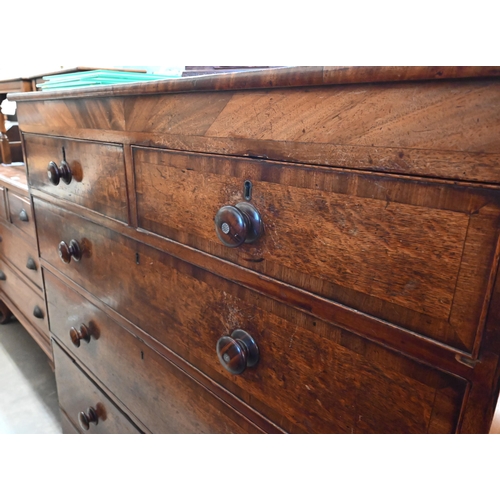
point(28, 397)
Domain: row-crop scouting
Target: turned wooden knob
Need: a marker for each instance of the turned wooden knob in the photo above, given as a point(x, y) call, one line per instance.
point(38, 312)
point(85, 418)
point(23, 215)
point(239, 224)
point(237, 352)
point(71, 251)
point(78, 335)
point(31, 264)
point(56, 173)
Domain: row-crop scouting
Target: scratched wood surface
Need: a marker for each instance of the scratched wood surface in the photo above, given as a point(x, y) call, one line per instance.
point(158, 394)
point(445, 129)
point(323, 379)
point(409, 251)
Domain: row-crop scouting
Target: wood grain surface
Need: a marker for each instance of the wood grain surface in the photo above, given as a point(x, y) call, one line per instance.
point(165, 399)
point(25, 295)
point(188, 309)
point(444, 129)
point(76, 393)
point(104, 193)
point(410, 251)
point(17, 250)
point(297, 76)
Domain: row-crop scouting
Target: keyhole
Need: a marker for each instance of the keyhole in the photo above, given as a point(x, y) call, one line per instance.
point(247, 190)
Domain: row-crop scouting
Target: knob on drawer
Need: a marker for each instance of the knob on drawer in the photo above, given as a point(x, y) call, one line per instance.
point(56, 173)
point(78, 335)
point(239, 224)
point(23, 215)
point(71, 251)
point(38, 312)
point(237, 352)
point(31, 264)
point(85, 418)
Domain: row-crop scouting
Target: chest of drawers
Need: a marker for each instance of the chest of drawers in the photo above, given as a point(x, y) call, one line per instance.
point(21, 285)
point(294, 250)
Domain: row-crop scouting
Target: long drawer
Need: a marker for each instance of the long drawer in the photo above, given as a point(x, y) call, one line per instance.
point(147, 384)
point(106, 194)
point(323, 379)
point(414, 252)
point(21, 252)
point(27, 298)
point(79, 395)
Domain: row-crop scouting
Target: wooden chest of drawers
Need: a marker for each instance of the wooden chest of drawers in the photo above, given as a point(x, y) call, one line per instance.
point(21, 284)
point(294, 250)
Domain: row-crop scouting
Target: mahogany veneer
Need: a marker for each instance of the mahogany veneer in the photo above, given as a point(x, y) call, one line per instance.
point(358, 293)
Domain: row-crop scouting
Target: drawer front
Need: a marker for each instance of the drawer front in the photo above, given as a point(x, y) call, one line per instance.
point(97, 173)
point(66, 425)
point(413, 252)
point(21, 215)
point(3, 207)
point(311, 377)
point(21, 252)
point(77, 393)
point(168, 401)
point(29, 301)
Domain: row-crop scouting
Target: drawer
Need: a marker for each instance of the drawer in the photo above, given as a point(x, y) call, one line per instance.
point(3, 207)
point(97, 173)
point(153, 389)
point(27, 298)
point(21, 214)
point(311, 377)
point(78, 394)
point(413, 252)
point(21, 252)
point(66, 425)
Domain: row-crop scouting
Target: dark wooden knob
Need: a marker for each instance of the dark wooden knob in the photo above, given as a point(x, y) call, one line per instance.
point(23, 215)
point(78, 335)
point(237, 352)
point(239, 224)
point(71, 251)
point(56, 174)
point(85, 418)
point(31, 264)
point(2, 276)
point(38, 312)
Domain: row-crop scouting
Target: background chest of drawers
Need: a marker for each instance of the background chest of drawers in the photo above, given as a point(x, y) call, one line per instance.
point(21, 285)
point(292, 250)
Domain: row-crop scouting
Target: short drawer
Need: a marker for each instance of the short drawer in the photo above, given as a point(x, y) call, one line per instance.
point(311, 376)
point(79, 395)
point(164, 398)
point(21, 215)
point(21, 252)
point(27, 298)
point(3, 207)
point(414, 252)
point(97, 171)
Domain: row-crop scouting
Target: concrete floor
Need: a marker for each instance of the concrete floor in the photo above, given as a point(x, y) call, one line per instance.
point(28, 396)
